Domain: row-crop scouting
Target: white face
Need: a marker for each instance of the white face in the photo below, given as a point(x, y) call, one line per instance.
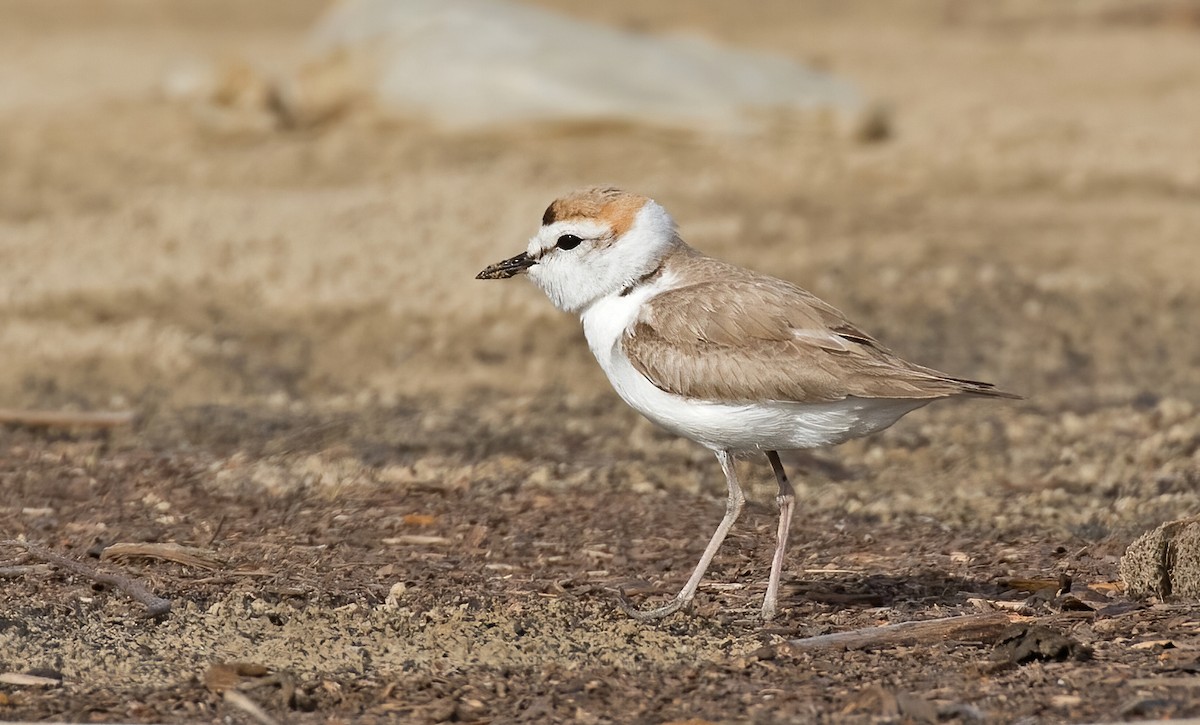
point(574, 275)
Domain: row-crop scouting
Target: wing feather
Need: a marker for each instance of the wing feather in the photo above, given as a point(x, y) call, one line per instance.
point(746, 337)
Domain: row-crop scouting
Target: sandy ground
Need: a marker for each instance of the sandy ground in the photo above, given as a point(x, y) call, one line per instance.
point(418, 492)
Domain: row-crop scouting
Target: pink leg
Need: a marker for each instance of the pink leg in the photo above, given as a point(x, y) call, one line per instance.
point(733, 507)
point(786, 500)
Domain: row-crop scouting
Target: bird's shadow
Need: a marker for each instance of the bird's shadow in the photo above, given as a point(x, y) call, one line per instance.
point(923, 588)
point(804, 597)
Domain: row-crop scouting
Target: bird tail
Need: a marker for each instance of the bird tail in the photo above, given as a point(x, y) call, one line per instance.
point(984, 390)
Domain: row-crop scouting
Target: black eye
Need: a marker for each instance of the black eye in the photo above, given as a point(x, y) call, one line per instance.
point(568, 241)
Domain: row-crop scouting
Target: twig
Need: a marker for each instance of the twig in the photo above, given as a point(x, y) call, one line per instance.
point(186, 555)
point(23, 680)
point(971, 627)
point(1181, 721)
point(12, 572)
point(217, 531)
point(417, 540)
point(66, 419)
point(1165, 682)
point(155, 606)
point(250, 707)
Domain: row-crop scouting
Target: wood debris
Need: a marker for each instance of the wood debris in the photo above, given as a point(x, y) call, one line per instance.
point(1023, 643)
point(417, 540)
point(1153, 644)
point(155, 606)
point(967, 628)
point(66, 419)
point(222, 676)
point(250, 707)
point(12, 572)
point(186, 555)
point(26, 680)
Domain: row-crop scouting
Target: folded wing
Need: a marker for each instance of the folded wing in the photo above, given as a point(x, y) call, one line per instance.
point(747, 337)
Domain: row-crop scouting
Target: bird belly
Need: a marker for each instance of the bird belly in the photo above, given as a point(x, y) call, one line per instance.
point(755, 426)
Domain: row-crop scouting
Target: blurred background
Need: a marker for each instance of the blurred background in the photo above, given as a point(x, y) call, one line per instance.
point(274, 210)
point(256, 207)
point(214, 202)
point(255, 226)
point(208, 202)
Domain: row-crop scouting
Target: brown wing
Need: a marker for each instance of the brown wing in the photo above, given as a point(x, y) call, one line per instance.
point(744, 336)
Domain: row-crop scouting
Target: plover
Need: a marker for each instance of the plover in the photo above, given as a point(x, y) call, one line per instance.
point(735, 360)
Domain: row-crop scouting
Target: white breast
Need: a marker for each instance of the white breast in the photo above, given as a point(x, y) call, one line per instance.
point(738, 427)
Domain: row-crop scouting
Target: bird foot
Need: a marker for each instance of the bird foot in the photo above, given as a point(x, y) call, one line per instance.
point(768, 611)
point(649, 615)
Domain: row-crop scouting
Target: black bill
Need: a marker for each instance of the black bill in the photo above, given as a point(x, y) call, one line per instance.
point(508, 268)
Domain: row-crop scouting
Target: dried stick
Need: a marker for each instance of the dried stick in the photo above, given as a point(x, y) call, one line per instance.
point(12, 572)
point(971, 627)
point(155, 606)
point(66, 419)
point(250, 707)
point(186, 555)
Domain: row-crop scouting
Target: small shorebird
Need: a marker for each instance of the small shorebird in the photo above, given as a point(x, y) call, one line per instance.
point(732, 359)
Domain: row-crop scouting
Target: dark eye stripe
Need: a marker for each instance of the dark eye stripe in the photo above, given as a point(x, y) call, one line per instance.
point(568, 241)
